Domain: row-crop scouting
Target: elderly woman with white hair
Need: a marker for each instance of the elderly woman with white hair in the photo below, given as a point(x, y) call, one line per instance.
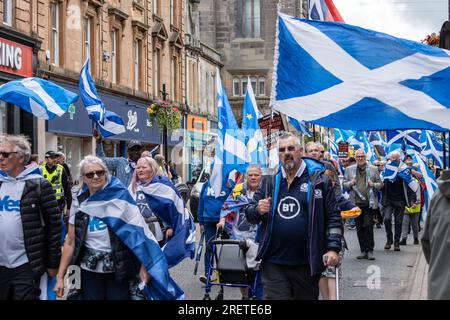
point(146, 170)
point(107, 264)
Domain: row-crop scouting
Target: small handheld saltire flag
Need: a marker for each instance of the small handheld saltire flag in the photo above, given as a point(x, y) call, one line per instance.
point(377, 143)
point(430, 182)
point(340, 76)
point(343, 135)
point(166, 202)
point(115, 206)
point(109, 123)
point(254, 140)
point(231, 151)
point(412, 140)
point(360, 141)
point(399, 169)
point(42, 98)
point(432, 148)
point(300, 126)
point(323, 10)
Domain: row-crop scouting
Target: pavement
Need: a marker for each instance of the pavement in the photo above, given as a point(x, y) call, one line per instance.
point(392, 276)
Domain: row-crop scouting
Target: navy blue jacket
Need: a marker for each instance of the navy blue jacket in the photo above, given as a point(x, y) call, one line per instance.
point(325, 222)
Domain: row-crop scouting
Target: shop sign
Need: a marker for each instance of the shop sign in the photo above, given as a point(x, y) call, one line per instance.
point(197, 124)
point(16, 58)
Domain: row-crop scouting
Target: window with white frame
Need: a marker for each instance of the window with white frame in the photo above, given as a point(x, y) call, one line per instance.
point(236, 83)
point(156, 70)
point(87, 39)
point(253, 82)
point(55, 12)
point(244, 86)
point(137, 58)
point(114, 56)
point(7, 12)
point(262, 86)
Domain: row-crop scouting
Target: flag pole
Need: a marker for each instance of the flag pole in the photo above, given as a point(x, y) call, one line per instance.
point(444, 151)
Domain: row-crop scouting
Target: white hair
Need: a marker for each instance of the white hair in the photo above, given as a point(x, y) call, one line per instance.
point(21, 144)
point(93, 160)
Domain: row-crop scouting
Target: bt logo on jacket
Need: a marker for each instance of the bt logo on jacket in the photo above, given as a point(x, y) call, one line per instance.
point(6, 204)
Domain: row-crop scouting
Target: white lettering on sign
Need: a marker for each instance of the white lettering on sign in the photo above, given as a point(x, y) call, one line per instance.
point(10, 56)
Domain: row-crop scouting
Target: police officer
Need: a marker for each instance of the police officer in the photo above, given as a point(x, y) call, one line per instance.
point(56, 175)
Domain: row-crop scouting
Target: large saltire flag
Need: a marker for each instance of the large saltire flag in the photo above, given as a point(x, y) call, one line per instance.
point(340, 76)
point(324, 10)
point(343, 135)
point(254, 139)
point(231, 152)
point(430, 182)
point(166, 202)
point(108, 122)
point(42, 98)
point(115, 206)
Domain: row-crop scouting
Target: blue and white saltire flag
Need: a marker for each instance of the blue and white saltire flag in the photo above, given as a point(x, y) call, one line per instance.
point(42, 98)
point(300, 126)
point(432, 148)
point(399, 169)
point(396, 137)
point(254, 139)
point(341, 76)
point(109, 123)
point(430, 182)
point(115, 206)
point(412, 139)
point(343, 135)
point(166, 202)
point(231, 152)
point(360, 141)
point(377, 143)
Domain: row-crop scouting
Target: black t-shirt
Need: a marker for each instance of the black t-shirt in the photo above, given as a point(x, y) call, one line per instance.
point(289, 236)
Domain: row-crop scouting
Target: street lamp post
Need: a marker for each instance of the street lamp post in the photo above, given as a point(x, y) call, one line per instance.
point(166, 149)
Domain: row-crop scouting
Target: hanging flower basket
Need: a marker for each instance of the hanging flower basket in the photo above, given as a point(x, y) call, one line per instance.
point(165, 114)
point(432, 39)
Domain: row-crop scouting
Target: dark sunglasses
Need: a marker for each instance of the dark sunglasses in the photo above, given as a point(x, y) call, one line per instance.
point(6, 154)
point(90, 175)
point(290, 149)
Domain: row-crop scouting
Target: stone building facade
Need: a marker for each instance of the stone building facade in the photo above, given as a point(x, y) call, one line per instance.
point(244, 33)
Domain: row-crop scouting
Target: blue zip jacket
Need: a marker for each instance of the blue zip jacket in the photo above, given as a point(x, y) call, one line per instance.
point(325, 222)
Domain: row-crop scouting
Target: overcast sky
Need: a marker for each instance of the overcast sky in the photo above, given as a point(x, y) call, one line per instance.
point(409, 19)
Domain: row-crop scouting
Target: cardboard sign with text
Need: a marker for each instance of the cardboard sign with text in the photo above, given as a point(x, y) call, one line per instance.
point(271, 128)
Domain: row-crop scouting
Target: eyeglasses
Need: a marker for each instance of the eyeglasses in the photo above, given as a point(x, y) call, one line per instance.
point(6, 154)
point(290, 149)
point(360, 157)
point(90, 175)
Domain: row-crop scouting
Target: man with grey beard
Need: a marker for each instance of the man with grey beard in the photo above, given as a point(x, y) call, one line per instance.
point(300, 225)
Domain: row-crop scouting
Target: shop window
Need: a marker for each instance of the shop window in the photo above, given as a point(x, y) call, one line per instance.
point(8, 12)
point(3, 117)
